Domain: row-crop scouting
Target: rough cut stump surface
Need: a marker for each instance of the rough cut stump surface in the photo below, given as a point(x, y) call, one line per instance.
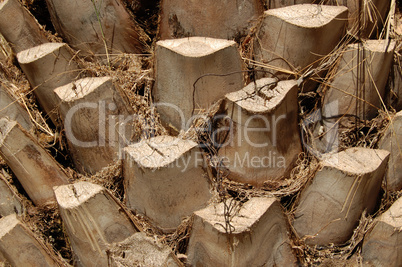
point(183, 64)
point(382, 246)
point(10, 108)
point(20, 247)
point(257, 236)
point(35, 168)
point(165, 180)
point(10, 202)
point(347, 183)
point(97, 121)
point(19, 27)
point(392, 142)
point(78, 21)
point(360, 80)
point(228, 19)
point(295, 37)
point(47, 67)
point(94, 219)
point(141, 250)
point(263, 121)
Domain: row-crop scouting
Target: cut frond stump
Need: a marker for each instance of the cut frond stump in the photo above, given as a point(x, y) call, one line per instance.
point(20, 246)
point(164, 179)
point(392, 142)
point(34, 167)
point(94, 219)
point(263, 140)
point(19, 27)
point(97, 121)
point(332, 203)
point(141, 250)
point(254, 233)
point(10, 202)
point(370, 22)
point(47, 67)
point(294, 38)
point(372, 17)
point(394, 97)
point(382, 245)
point(100, 28)
point(226, 20)
point(193, 73)
point(358, 85)
point(10, 108)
